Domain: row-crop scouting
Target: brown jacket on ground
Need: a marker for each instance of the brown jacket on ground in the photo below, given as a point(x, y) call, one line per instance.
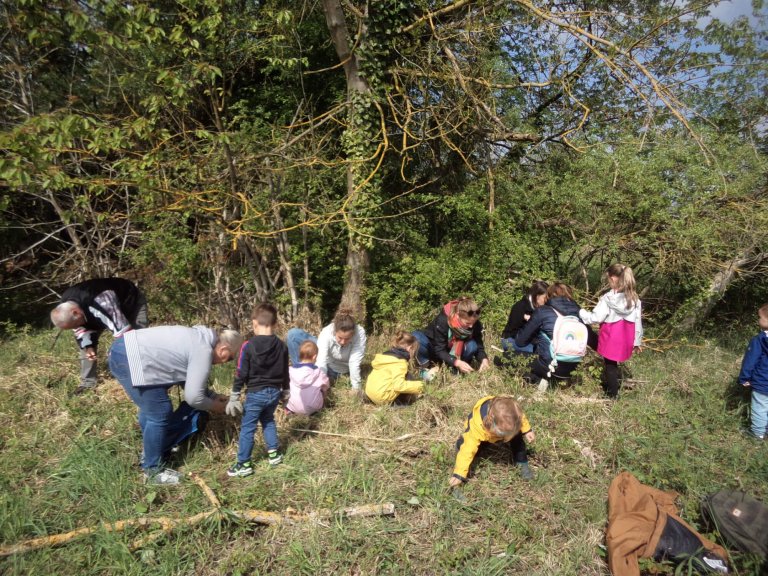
point(637, 517)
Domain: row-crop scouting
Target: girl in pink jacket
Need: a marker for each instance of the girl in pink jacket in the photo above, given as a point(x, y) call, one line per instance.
point(621, 328)
point(309, 384)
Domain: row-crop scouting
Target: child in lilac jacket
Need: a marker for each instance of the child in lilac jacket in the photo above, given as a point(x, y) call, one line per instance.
point(309, 384)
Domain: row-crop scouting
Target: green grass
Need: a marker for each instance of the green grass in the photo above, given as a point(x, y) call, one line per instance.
point(68, 462)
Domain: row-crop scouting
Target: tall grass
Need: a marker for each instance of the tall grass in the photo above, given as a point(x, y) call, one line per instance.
point(69, 462)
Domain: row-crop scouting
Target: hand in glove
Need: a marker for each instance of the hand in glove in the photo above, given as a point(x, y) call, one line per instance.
point(234, 406)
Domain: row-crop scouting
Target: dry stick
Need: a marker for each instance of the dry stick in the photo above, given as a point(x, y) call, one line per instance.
point(58, 539)
point(292, 517)
point(196, 519)
point(168, 524)
point(206, 490)
point(398, 439)
point(168, 528)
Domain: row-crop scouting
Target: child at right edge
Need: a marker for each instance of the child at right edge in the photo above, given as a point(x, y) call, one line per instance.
point(493, 419)
point(754, 374)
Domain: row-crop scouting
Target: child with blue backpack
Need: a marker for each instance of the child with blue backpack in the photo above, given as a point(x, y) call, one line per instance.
point(754, 374)
point(540, 329)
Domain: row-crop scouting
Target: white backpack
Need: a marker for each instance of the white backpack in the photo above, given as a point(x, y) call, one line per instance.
point(569, 340)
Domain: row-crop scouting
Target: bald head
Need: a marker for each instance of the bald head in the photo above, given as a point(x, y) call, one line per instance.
point(67, 315)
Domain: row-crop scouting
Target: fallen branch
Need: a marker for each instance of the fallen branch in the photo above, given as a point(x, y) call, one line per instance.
point(294, 517)
point(206, 490)
point(67, 537)
point(167, 525)
point(374, 438)
point(562, 399)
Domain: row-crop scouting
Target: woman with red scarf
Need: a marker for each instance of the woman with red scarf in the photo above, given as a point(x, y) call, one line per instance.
point(454, 338)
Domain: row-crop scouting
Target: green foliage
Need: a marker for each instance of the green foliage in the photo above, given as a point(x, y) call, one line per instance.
point(234, 121)
point(169, 260)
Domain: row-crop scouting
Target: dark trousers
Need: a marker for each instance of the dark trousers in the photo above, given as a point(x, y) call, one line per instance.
point(610, 378)
point(562, 371)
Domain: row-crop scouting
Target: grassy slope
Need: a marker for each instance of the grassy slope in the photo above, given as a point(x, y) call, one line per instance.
point(67, 463)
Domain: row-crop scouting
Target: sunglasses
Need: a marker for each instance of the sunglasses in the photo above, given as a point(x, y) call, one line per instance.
point(472, 313)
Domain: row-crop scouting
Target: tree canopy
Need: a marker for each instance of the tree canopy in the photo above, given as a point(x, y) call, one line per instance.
point(390, 154)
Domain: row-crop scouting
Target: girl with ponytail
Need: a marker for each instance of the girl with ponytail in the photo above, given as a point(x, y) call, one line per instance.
point(621, 329)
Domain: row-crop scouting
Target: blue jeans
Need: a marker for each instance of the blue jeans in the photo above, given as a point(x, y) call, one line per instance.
point(425, 349)
point(294, 339)
point(161, 426)
point(260, 406)
point(759, 413)
point(508, 344)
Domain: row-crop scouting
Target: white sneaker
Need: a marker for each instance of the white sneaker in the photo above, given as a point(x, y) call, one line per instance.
point(165, 477)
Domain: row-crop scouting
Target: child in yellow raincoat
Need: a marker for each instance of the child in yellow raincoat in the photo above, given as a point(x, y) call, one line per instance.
point(493, 419)
point(389, 381)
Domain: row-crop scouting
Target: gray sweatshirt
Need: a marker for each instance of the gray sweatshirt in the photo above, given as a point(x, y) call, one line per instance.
point(168, 355)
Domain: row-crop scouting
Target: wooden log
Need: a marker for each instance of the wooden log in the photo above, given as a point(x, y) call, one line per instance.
point(167, 525)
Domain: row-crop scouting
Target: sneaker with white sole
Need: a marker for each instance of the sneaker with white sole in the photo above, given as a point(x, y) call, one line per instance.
point(244, 469)
point(162, 477)
point(275, 457)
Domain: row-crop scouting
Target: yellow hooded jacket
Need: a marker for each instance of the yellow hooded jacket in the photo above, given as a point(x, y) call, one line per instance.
point(474, 433)
point(387, 379)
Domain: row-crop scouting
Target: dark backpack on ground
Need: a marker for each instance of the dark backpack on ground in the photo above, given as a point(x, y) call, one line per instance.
point(741, 520)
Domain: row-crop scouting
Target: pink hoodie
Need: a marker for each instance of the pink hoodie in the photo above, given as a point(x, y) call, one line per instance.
point(308, 386)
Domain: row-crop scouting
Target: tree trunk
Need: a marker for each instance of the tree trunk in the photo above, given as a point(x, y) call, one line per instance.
point(354, 280)
point(699, 307)
point(357, 254)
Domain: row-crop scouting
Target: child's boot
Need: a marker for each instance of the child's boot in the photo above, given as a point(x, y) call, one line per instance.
point(525, 471)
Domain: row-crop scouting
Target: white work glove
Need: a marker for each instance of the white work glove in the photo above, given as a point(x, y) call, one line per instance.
point(234, 406)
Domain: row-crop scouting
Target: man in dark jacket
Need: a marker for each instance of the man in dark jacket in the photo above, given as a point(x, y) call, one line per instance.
point(92, 306)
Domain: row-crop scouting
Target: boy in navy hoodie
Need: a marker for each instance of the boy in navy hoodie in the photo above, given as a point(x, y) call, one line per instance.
point(754, 373)
point(262, 368)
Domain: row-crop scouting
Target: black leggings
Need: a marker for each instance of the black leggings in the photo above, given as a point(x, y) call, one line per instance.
point(563, 370)
point(610, 378)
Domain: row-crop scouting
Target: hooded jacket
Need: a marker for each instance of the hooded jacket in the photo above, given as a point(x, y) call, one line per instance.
point(754, 366)
point(543, 321)
point(262, 363)
point(107, 304)
point(611, 308)
point(475, 433)
point(168, 355)
point(308, 387)
point(389, 377)
point(643, 523)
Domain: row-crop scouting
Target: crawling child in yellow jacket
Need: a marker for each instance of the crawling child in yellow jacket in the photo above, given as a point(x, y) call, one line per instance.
point(493, 419)
point(389, 381)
